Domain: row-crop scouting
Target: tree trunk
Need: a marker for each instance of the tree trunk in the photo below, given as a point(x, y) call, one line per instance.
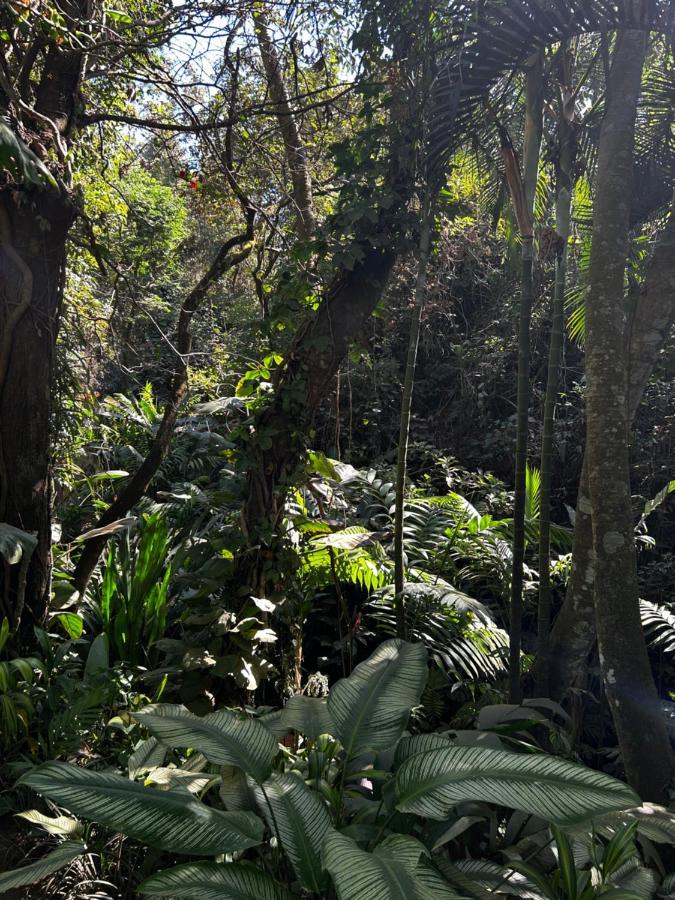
point(523, 200)
point(626, 670)
point(573, 633)
point(294, 147)
point(564, 184)
point(32, 259)
point(406, 405)
point(277, 442)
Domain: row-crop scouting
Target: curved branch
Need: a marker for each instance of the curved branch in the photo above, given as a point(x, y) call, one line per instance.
point(140, 481)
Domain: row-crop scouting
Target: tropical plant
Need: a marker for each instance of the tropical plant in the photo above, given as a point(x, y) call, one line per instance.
point(352, 804)
point(134, 591)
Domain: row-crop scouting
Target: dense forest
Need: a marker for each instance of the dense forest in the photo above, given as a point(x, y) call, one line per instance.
point(337, 415)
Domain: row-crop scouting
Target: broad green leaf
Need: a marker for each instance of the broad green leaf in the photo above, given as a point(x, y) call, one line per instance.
point(64, 826)
point(14, 542)
point(300, 819)
point(654, 822)
point(98, 658)
point(167, 779)
point(435, 883)
point(213, 881)
point(404, 849)
point(168, 820)
point(429, 784)
point(482, 879)
point(4, 632)
point(63, 855)
point(147, 755)
point(308, 715)
point(233, 789)
point(371, 707)
point(73, 624)
point(358, 875)
point(223, 737)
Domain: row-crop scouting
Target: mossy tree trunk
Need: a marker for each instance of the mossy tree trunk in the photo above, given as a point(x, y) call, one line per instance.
point(632, 696)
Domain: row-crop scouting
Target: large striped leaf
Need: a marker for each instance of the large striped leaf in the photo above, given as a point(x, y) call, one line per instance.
point(301, 820)
point(371, 707)
point(65, 853)
point(431, 783)
point(308, 715)
point(223, 737)
point(169, 820)
point(212, 881)
point(654, 822)
point(358, 875)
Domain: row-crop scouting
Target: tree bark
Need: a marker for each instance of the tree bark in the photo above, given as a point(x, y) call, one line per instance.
point(626, 670)
point(294, 147)
point(573, 633)
point(32, 263)
point(34, 223)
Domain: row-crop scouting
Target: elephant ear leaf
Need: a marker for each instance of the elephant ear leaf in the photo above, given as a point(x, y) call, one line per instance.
point(431, 783)
point(371, 708)
point(59, 858)
point(20, 161)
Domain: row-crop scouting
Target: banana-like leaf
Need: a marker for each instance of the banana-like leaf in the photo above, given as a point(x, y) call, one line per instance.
point(308, 715)
point(223, 737)
point(301, 822)
point(63, 855)
point(168, 820)
point(371, 707)
point(431, 783)
point(213, 881)
point(358, 875)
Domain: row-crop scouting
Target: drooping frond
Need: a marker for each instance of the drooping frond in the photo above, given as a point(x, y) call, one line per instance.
point(490, 38)
point(659, 625)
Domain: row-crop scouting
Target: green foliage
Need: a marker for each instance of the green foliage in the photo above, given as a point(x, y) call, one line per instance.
point(388, 846)
point(24, 167)
point(134, 591)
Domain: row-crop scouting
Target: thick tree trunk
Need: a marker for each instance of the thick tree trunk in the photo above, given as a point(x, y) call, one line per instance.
point(33, 228)
point(573, 633)
point(627, 675)
point(279, 432)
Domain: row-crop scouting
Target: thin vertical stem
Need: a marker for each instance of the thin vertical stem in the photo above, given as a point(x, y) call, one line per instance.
point(563, 203)
point(523, 194)
point(406, 404)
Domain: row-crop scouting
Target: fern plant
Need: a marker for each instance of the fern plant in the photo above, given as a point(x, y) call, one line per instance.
point(352, 806)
